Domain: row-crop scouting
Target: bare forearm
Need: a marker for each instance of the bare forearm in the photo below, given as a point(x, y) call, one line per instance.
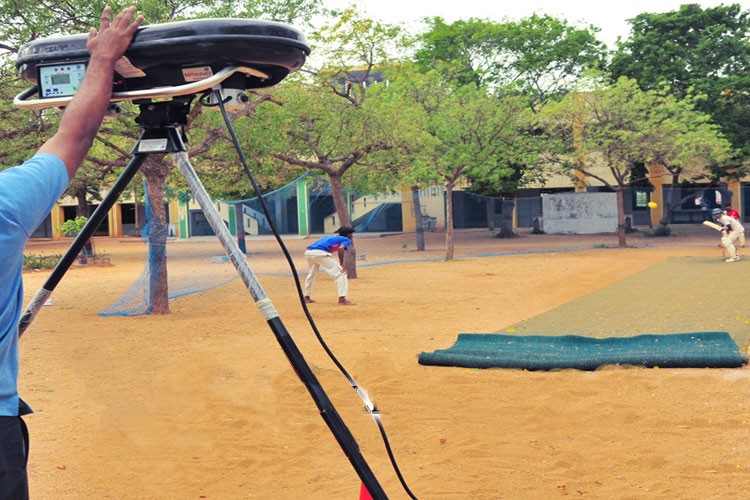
point(84, 115)
point(85, 112)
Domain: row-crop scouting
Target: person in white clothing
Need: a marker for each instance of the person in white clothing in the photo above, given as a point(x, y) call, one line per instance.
point(735, 214)
point(730, 232)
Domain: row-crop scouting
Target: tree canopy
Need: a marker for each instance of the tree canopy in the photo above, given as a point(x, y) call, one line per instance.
point(540, 56)
point(621, 127)
point(704, 52)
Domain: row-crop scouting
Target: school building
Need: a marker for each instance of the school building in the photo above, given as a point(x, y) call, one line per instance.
point(305, 206)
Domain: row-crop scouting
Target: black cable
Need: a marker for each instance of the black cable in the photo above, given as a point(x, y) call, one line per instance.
point(369, 406)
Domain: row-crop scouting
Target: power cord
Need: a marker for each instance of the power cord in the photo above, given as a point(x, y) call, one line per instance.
point(369, 405)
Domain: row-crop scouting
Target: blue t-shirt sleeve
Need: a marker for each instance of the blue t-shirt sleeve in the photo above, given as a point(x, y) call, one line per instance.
point(29, 191)
point(27, 194)
point(330, 243)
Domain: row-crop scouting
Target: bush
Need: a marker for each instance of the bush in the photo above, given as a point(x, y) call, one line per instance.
point(33, 262)
point(72, 227)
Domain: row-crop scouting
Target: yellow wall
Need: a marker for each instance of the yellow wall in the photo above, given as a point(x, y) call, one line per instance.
point(174, 216)
point(656, 177)
point(57, 215)
point(431, 200)
point(115, 220)
point(735, 187)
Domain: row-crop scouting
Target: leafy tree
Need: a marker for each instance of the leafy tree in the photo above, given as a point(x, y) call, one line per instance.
point(540, 56)
point(317, 130)
point(470, 133)
point(21, 133)
point(403, 166)
point(688, 143)
point(327, 124)
point(23, 21)
point(692, 50)
point(621, 127)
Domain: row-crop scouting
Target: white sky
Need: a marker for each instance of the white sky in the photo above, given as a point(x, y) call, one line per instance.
point(611, 17)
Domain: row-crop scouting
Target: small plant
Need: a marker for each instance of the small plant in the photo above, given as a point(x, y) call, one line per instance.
point(72, 227)
point(34, 262)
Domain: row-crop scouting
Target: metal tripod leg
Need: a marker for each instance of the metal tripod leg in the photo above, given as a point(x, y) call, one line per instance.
point(302, 369)
point(75, 248)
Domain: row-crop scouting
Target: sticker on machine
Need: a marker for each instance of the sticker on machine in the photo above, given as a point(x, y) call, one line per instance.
point(124, 67)
point(158, 145)
point(196, 74)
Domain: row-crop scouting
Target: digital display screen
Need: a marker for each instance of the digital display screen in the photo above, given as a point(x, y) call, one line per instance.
point(60, 80)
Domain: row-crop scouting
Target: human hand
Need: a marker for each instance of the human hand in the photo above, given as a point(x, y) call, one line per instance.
point(112, 39)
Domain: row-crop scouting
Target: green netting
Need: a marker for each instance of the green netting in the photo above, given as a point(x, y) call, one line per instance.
point(540, 352)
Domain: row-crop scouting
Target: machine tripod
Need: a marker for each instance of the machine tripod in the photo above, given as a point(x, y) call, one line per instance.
point(162, 123)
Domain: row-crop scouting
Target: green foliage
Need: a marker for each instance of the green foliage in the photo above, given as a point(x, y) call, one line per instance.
point(621, 126)
point(342, 123)
point(72, 227)
point(540, 56)
point(461, 133)
point(466, 112)
point(351, 41)
point(21, 132)
point(32, 262)
point(22, 21)
point(703, 52)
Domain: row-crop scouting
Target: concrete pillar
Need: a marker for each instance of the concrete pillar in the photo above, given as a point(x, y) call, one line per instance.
point(115, 220)
point(408, 220)
point(735, 187)
point(57, 217)
point(174, 216)
point(303, 208)
point(183, 215)
point(656, 178)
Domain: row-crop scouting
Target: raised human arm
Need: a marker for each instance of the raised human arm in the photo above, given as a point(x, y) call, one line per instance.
point(84, 114)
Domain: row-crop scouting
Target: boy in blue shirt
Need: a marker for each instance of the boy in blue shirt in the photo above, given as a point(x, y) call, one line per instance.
point(27, 194)
point(319, 256)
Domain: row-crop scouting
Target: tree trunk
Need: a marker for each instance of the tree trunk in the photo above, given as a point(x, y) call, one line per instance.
point(418, 218)
point(342, 210)
point(621, 216)
point(239, 223)
point(137, 214)
point(156, 170)
point(506, 223)
point(82, 210)
point(82, 205)
point(668, 211)
point(449, 241)
point(489, 206)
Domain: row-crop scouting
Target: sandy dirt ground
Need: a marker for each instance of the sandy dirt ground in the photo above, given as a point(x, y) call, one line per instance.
point(202, 403)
